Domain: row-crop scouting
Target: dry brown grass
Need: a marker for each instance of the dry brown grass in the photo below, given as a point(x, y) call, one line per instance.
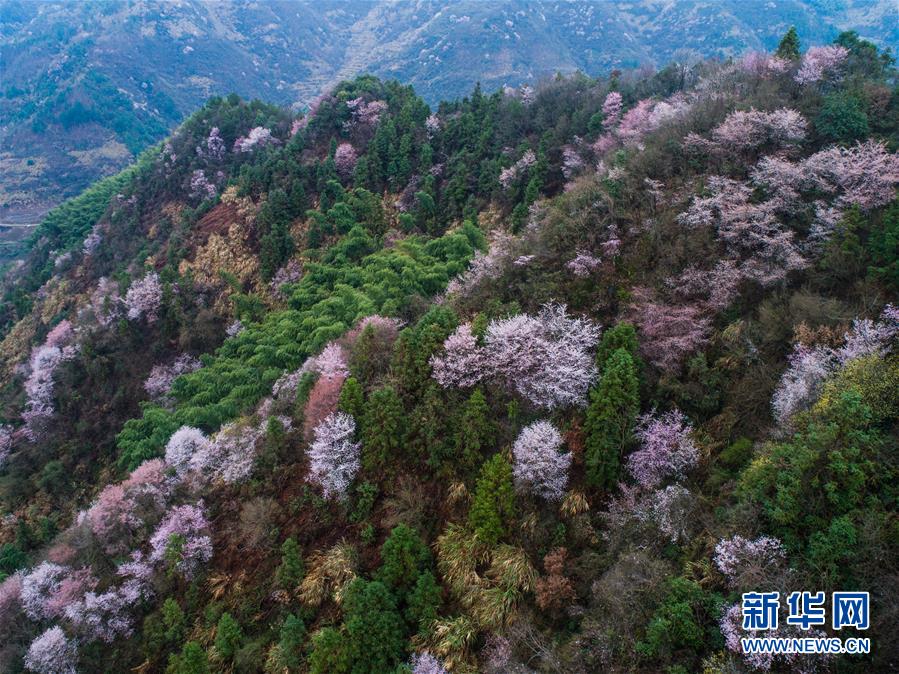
point(329, 574)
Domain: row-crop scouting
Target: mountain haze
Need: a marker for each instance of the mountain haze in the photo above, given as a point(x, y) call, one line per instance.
point(87, 85)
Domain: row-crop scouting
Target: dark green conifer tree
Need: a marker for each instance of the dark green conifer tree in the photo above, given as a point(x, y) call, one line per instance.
point(789, 45)
point(493, 505)
point(383, 428)
point(614, 404)
point(474, 431)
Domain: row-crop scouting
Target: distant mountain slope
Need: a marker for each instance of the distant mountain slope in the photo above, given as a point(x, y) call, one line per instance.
point(88, 85)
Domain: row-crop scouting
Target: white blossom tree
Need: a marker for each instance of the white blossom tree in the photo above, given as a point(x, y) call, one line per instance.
point(334, 455)
point(539, 464)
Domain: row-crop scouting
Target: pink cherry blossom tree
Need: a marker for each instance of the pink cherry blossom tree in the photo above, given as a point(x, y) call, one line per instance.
point(291, 272)
point(345, 159)
point(869, 337)
point(671, 511)
point(144, 298)
point(93, 240)
point(572, 164)
point(611, 110)
point(547, 359)
point(820, 62)
point(150, 480)
point(462, 363)
point(107, 616)
point(715, 288)
point(105, 303)
point(39, 386)
point(666, 449)
point(200, 186)
point(801, 383)
point(215, 145)
point(539, 465)
point(181, 447)
point(257, 137)
point(509, 175)
point(750, 232)
point(331, 362)
point(182, 540)
point(745, 563)
point(122, 510)
point(71, 588)
point(52, 653)
point(636, 122)
point(61, 335)
point(484, 267)
point(159, 382)
point(365, 114)
point(583, 264)
point(112, 519)
point(40, 587)
point(866, 174)
point(10, 602)
point(230, 455)
point(668, 332)
point(763, 65)
point(425, 663)
point(747, 129)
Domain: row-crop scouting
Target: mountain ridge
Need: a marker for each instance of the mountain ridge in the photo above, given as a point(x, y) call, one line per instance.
point(117, 78)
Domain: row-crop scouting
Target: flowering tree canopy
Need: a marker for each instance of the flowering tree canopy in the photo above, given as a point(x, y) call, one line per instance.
point(107, 616)
point(229, 455)
point(366, 114)
point(200, 186)
point(744, 562)
point(52, 653)
point(45, 359)
point(819, 62)
point(539, 465)
point(763, 65)
point(547, 359)
point(509, 175)
point(215, 146)
point(257, 137)
point(121, 510)
point(182, 540)
point(333, 455)
point(462, 362)
point(144, 298)
point(611, 110)
point(345, 159)
point(802, 382)
point(425, 663)
point(583, 264)
point(40, 590)
point(669, 332)
point(181, 447)
point(666, 449)
point(159, 382)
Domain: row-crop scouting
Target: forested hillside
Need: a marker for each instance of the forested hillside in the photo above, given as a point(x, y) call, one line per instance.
point(534, 381)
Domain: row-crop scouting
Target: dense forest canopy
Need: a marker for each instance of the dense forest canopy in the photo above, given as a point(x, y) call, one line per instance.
point(539, 380)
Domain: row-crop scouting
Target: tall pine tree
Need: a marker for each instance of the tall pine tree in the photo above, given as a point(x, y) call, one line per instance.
point(383, 428)
point(494, 500)
point(614, 404)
